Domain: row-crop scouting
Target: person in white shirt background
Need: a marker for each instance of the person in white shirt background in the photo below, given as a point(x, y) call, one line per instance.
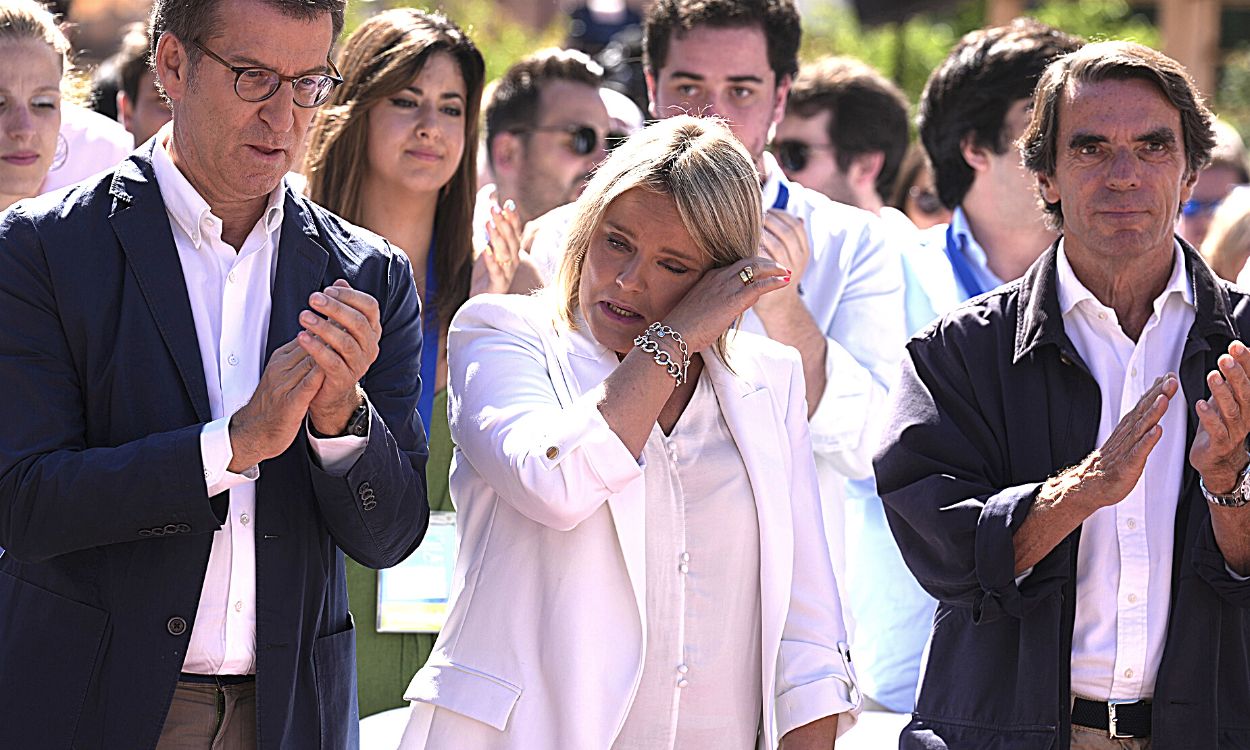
point(641, 561)
point(844, 134)
point(736, 60)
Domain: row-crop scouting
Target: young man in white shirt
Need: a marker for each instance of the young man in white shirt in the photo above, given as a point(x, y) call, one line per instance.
point(736, 60)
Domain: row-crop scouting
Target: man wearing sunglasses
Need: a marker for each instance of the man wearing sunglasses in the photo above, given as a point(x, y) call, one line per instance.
point(845, 134)
point(211, 395)
point(1227, 170)
point(546, 129)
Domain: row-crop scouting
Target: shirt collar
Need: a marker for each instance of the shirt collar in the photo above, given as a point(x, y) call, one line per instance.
point(774, 178)
point(187, 207)
point(961, 228)
point(1072, 292)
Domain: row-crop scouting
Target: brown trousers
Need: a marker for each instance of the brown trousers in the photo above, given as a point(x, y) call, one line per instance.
point(210, 717)
point(1084, 738)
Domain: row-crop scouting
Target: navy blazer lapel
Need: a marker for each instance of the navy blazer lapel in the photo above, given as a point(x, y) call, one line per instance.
point(301, 271)
point(142, 227)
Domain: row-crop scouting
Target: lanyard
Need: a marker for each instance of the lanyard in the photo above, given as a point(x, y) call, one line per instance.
point(957, 254)
point(429, 343)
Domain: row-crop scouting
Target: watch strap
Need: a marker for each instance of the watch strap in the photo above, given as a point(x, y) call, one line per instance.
point(1237, 498)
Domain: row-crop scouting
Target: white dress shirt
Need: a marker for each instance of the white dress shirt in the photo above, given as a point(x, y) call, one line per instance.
point(700, 683)
point(230, 296)
point(1124, 560)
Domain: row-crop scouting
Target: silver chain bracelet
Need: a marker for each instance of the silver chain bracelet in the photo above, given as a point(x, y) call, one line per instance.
point(651, 346)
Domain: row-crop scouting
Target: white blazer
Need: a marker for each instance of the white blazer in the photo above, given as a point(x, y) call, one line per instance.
point(544, 644)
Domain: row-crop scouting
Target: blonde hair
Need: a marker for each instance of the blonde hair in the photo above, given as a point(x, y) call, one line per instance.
point(705, 170)
point(1227, 244)
point(21, 20)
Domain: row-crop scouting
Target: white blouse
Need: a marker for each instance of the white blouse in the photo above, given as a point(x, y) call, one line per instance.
point(700, 682)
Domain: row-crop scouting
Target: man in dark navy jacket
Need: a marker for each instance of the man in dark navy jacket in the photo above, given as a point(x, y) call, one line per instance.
point(210, 390)
point(1066, 469)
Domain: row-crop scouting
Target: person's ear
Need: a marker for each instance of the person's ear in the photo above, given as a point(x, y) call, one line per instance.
point(125, 109)
point(649, 77)
point(173, 68)
point(1187, 187)
point(507, 152)
point(780, 97)
point(1047, 187)
point(976, 156)
point(865, 169)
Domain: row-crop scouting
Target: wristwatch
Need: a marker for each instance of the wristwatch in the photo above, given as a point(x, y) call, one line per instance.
point(1235, 499)
point(358, 425)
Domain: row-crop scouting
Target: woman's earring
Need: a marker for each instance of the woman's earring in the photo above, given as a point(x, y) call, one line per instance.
point(61, 154)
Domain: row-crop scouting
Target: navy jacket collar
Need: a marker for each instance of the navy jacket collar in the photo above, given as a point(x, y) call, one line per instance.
point(1040, 322)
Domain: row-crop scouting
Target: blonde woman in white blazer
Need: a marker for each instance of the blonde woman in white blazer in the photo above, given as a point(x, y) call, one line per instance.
point(641, 559)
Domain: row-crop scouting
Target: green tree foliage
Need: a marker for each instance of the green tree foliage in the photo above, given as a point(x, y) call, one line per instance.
point(908, 51)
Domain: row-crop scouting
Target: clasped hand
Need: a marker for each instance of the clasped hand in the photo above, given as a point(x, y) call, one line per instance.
point(316, 374)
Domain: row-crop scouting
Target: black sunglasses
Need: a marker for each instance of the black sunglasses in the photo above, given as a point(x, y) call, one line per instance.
point(255, 84)
point(794, 155)
point(927, 201)
point(583, 138)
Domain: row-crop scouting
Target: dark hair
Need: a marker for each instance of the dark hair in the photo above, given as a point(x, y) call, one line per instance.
point(778, 19)
point(970, 92)
point(191, 20)
point(1113, 61)
point(381, 57)
point(867, 112)
point(131, 60)
point(514, 101)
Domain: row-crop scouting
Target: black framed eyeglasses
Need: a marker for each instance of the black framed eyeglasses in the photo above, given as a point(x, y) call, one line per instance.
point(583, 138)
point(255, 84)
point(793, 156)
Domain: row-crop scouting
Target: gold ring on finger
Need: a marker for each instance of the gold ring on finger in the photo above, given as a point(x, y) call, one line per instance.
point(747, 274)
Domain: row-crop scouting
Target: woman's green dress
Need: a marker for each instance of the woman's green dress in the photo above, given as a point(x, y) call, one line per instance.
point(386, 662)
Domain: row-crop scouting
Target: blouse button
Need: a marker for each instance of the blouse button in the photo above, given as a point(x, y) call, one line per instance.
point(552, 452)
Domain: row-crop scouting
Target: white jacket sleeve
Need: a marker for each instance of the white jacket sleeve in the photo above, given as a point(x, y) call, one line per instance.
point(864, 344)
point(815, 678)
point(544, 450)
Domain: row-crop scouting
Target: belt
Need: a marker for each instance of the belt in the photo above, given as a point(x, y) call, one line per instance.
point(217, 679)
point(1119, 719)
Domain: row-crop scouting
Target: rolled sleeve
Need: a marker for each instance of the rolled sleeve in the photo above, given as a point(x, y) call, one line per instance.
point(831, 690)
point(1001, 516)
point(217, 453)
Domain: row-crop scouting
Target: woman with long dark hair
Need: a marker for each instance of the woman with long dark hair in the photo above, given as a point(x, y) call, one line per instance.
point(395, 151)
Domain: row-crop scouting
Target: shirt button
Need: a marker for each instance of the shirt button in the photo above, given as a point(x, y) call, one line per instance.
point(682, 683)
point(682, 669)
point(684, 568)
point(685, 557)
point(1102, 316)
point(231, 277)
point(233, 360)
point(1128, 673)
point(243, 519)
point(1131, 523)
point(207, 474)
point(1133, 372)
point(238, 606)
point(1132, 598)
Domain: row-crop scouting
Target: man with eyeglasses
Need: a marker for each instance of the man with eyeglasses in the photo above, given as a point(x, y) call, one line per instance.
point(845, 134)
point(211, 389)
point(546, 129)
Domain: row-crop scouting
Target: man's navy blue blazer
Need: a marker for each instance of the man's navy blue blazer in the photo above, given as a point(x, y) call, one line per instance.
point(104, 510)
